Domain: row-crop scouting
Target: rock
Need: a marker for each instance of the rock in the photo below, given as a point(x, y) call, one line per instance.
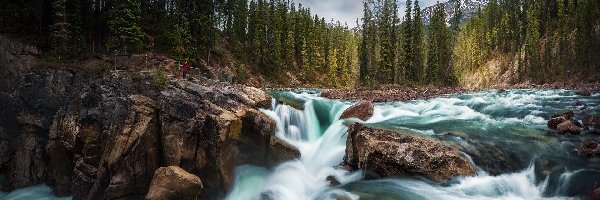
point(583, 93)
point(362, 110)
point(333, 182)
point(4, 153)
point(595, 195)
point(16, 59)
point(288, 99)
point(592, 120)
point(104, 139)
point(501, 90)
point(392, 154)
point(173, 183)
point(555, 120)
point(588, 148)
point(568, 126)
point(38, 97)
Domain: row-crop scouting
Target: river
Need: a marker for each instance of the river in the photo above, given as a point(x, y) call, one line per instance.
point(505, 134)
point(509, 128)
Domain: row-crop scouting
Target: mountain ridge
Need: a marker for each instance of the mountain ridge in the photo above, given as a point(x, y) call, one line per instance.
point(469, 9)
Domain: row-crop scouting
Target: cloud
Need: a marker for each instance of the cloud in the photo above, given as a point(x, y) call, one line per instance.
point(348, 11)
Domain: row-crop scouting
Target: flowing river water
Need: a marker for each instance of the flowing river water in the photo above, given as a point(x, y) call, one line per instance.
point(505, 134)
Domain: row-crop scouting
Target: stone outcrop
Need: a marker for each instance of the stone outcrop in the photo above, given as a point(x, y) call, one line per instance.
point(105, 139)
point(392, 154)
point(26, 119)
point(362, 110)
point(174, 183)
point(16, 60)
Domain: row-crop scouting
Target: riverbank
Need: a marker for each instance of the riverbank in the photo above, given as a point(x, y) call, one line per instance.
point(406, 93)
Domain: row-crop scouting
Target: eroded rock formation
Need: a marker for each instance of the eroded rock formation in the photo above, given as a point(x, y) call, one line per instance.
point(105, 139)
point(393, 154)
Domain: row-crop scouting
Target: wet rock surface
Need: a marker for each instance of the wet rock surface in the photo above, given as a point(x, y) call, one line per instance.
point(174, 183)
point(403, 154)
point(565, 123)
point(362, 110)
point(588, 148)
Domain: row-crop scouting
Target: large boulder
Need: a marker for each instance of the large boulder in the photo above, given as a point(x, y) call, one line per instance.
point(174, 183)
point(362, 110)
point(398, 153)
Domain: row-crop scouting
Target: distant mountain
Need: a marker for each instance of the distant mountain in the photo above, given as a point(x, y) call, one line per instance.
point(469, 8)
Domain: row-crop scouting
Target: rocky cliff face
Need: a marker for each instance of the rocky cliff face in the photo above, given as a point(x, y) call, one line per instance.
point(105, 139)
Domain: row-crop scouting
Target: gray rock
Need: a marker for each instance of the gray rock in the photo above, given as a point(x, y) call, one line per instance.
point(404, 154)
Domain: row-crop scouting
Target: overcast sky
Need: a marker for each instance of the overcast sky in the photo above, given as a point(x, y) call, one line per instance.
point(349, 10)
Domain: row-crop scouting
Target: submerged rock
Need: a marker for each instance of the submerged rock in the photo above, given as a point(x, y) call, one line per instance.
point(392, 153)
point(588, 148)
point(583, 92)
point(362, 110)
point(592, 121)
point(174, 183)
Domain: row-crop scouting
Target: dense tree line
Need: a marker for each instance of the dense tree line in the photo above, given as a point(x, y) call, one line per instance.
point(546, 40)
point(273, 36)
point(395, 51)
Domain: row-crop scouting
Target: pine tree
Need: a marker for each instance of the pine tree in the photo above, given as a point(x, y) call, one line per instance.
point(418, 37)
point(408, 53)
point(61, 29)
point(126, 33)
point(439, 49)
point(365, 61)
point(457, 16)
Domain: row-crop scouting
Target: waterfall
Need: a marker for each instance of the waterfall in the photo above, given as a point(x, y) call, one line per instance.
point(517, 116)
point(322, 147)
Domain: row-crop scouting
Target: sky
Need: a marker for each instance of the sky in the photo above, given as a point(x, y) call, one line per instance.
point(350, 10)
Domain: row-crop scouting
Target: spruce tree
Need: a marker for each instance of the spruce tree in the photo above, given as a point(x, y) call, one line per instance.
point(457, 16)
point(418, 37)
point(408, 53)
point(125, 31)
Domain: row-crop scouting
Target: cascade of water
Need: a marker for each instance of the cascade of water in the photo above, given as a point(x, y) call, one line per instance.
point(320, 151)
point(517, 116)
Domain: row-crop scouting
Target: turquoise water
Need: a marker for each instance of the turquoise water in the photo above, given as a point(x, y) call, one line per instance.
point(504, 133)
point(38, 192)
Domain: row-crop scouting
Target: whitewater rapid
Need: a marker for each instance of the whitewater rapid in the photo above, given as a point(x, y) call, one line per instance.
point(321, 138)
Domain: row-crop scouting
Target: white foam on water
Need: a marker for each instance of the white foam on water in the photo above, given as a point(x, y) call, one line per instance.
point(305, 178)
